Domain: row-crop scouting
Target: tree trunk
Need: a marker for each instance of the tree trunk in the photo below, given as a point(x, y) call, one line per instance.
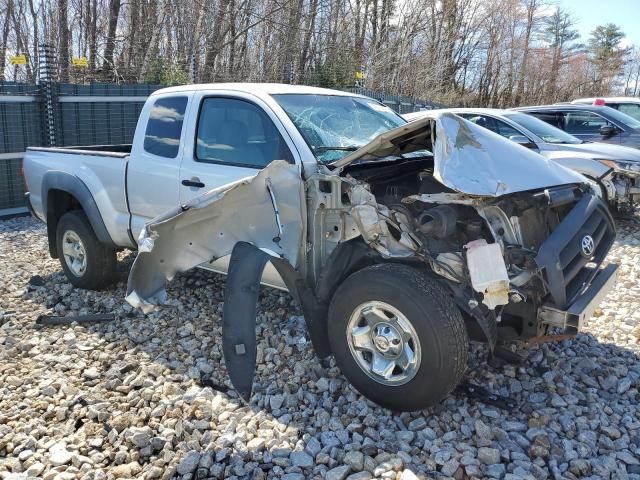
point(108, 64)
point(5, 38)
point(215, 41)
point(532, 6)
point(63, 45)
point(306, 42)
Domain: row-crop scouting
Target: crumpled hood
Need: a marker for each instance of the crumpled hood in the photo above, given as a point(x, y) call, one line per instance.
point(594, 150)
point(468, 158)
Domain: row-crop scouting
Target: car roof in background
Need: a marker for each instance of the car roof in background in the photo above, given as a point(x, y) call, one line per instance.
point(565, 107)
point(480, 111)
point(607, 99)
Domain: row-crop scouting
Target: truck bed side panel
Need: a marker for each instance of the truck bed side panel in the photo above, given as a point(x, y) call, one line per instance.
point(103, 174)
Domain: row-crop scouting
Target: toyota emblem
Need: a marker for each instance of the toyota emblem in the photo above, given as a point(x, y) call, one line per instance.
point(588, 246)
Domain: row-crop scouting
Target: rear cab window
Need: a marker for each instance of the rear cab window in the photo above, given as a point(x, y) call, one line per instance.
point(631, 109)
point(164, 127)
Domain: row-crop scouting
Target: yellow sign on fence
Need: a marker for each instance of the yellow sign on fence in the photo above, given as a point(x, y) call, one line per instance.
point(80, 62)
point(18, 60)
point(359, 75)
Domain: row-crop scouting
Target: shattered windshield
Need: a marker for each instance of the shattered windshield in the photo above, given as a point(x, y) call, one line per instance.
point(334, 125)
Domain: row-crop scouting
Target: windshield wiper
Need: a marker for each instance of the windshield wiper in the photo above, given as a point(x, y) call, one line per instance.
point(343, 149)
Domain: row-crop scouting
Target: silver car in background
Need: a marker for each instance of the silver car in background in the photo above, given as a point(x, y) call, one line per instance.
point(614, 167)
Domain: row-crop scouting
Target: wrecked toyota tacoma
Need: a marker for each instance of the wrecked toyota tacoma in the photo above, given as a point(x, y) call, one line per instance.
point(400, 241)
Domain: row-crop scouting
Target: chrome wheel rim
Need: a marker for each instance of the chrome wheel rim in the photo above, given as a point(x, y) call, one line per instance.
point(75, 255)
point(384, 343)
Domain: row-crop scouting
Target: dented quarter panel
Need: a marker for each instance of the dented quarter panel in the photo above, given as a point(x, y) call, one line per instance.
point(208, 228)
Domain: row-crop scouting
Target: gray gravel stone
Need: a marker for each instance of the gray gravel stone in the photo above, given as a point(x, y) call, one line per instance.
point(417, 424)
point(489, 456)
point(484, 434)
point(338, 473)
point(355, 460)
point(189, 463)
point(497, 470)
point(360, 476)
point(450, 468)
point(301, 459)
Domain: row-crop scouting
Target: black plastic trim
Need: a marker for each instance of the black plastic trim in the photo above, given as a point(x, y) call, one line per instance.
point(76, 188)
point(550, 257)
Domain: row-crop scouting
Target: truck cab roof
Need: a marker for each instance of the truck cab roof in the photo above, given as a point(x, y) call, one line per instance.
point(257, 89)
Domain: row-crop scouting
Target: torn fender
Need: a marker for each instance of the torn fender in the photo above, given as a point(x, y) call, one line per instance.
point(265, 210)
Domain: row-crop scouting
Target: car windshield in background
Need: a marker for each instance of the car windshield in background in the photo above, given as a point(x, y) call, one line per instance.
point(546, 132)
point(622, 118)
point(335, 125)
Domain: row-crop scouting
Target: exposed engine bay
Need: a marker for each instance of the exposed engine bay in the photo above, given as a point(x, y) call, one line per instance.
point(483, 249)
point(623, 188)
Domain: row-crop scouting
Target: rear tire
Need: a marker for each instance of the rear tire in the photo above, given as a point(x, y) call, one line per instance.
point(86, 262)
point(398, 337)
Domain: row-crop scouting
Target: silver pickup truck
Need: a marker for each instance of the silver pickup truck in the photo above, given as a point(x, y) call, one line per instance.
point(400, 241)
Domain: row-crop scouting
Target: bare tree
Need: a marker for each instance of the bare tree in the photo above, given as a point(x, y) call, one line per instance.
point(467, 52)
point(108, 64)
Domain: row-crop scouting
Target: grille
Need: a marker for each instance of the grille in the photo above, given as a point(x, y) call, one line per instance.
point(566, 269)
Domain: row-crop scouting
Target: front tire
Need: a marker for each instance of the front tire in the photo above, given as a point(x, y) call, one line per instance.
point(86, 262)
point(398, 337)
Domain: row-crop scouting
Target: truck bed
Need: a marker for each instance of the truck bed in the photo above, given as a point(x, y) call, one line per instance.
point(101, 169)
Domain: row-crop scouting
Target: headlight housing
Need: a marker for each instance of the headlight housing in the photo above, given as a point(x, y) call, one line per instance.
point(621, 165)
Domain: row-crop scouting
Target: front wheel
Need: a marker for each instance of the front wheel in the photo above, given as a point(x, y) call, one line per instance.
point(398, 337)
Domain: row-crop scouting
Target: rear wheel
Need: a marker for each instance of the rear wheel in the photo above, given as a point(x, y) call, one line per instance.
point(398, 337)
point(86, 262)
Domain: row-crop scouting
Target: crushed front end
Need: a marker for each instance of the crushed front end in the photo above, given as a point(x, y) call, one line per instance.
point(524, 265)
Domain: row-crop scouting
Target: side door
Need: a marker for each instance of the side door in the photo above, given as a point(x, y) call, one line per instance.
point(154, 167)
point(586, 126)
point(230, 138)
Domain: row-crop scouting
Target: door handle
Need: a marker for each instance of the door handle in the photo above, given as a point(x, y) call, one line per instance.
point(193, 183)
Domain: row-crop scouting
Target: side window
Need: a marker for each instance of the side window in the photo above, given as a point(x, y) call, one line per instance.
point(486, 122)
point(164, 127)
point(552, 118)
point(631, 109)
point(239, 133)
point(584, 123)
point(507, 130)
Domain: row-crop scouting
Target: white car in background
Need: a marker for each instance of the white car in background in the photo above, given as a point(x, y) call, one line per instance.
point(616, 168)
point(628, 105)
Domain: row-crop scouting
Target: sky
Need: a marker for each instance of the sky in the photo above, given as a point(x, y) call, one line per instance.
point(591, 13)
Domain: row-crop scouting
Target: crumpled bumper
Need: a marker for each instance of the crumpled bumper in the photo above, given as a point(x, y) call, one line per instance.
point(574, 317)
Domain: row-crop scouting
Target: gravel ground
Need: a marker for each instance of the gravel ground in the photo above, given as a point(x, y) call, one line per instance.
point(147, 396)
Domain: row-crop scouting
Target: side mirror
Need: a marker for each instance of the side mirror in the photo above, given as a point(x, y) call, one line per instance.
point(522, 140)
point(608, 130)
